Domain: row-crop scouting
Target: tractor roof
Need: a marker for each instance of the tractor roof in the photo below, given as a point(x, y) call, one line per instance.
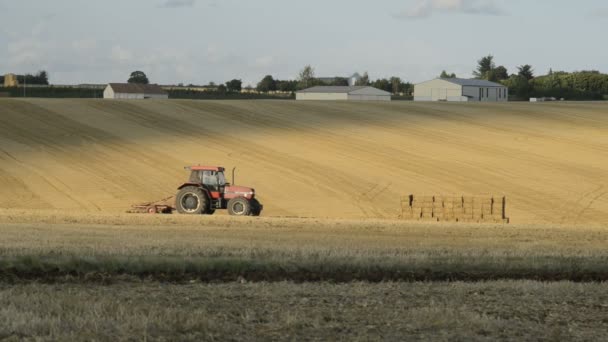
point(204, 168)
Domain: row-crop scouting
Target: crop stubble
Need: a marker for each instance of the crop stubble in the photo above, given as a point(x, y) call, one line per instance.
point(337, 160)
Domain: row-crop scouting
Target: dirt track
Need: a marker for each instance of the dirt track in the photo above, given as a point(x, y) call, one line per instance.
point(348, 160)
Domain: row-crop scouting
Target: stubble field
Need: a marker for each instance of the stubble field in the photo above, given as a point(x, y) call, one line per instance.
point(335, 160)
point(329, 260)
point(115, 277)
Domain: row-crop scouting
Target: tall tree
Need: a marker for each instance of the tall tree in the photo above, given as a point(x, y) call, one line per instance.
point(306, 77)
point(287, 86)
point(484, 66)
point(364, 80)
point(501, 73)
point(234, 85)
point(42, 77)
point(395, 85)
point(526, 71)
point(444, 74)
point(383, 84)
point(138, 77)
point(267, 84)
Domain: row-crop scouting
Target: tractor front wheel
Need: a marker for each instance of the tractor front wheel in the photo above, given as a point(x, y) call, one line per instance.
point(239, 207)
point(192, 201)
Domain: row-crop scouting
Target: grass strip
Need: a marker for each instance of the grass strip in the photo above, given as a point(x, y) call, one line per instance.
point(338, 269)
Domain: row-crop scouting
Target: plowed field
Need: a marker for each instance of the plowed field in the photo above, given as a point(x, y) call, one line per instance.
point(313, 159)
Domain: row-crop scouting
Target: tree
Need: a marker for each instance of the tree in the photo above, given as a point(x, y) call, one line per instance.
point(306, 77)
point(234, 85)
point(221, 89)
point(526, 71)
point(501, 73)
point(138, 77)
point(364, 80)
point(444, 74)
point(41, 78)
point(267, 84)
point(484, 66)
point(287, 86)
point(395, 85)
point(383, 84)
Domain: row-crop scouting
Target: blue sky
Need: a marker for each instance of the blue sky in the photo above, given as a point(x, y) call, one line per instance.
point(198, 41)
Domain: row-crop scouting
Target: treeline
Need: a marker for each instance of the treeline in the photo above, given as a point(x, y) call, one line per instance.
point(53, 92)
point(583, 85)
point(579, 85)
point(40, 78)
point(220, 94)
point(307, 79)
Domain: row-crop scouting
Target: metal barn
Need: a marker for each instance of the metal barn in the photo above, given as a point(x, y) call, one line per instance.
point(460, 90)
point(353, 93)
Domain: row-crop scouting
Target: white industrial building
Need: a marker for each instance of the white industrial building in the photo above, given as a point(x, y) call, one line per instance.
point(354, 93)
point(460, 90)
point(134, 91)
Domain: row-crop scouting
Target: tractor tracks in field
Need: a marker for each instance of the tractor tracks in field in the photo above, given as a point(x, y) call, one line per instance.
point(583, 204)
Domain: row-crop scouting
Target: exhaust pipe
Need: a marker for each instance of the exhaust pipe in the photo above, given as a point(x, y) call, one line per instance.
point(233, 182)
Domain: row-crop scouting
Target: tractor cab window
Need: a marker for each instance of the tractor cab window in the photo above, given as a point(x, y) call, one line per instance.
point(213, 179)
point(210, 178)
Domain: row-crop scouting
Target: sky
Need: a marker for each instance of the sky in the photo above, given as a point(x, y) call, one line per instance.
point(202, 41)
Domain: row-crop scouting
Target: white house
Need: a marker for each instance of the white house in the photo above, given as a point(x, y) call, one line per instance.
point(134, 91)
point(460, 90)
point(332, 93)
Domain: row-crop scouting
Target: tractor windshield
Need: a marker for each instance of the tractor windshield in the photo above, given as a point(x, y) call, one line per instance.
point(213, 178)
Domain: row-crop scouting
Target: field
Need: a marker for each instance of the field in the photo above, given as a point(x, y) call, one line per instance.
point(329, 259)
point(82, 276)
point(333, 160)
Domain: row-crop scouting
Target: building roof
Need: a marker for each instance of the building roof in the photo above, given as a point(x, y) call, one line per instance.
point(342, 90)
point(472, 82)
point(134, 88)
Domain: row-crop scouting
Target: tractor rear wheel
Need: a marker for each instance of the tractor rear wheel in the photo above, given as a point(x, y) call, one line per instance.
point(256, 207)
point(239, 206)
point(192, 201)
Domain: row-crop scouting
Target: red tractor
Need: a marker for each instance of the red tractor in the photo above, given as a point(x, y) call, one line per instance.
point(207, 190)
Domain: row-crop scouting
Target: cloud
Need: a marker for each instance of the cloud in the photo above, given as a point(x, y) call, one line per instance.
point(177, 3)
point(426, 8)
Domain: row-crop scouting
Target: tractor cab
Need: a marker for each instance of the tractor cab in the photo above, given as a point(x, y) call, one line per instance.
point(207, 190)
point(212, 178)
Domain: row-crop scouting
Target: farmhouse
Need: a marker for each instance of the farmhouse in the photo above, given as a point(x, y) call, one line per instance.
point(351, 93)
point(134, 91)
point(10, 80)
point(460, 90)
